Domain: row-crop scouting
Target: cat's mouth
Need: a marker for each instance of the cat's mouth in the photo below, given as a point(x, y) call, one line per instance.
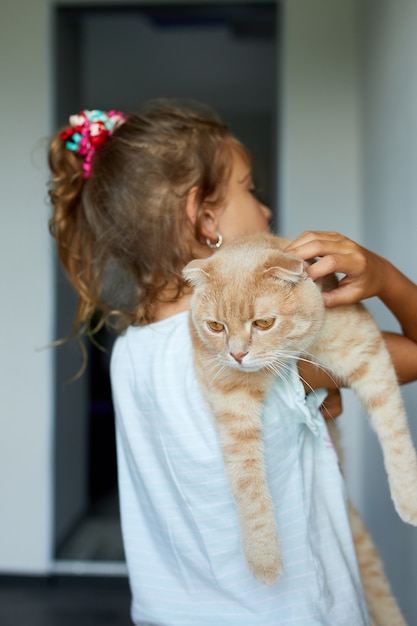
point(242, 365)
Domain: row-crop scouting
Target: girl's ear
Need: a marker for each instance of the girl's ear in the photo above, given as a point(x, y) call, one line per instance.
point(208, 217)
point(191, 206)
point(209, 224)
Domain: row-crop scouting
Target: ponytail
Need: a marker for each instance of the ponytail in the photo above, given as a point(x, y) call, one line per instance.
point(70, 156)
point(68, 225)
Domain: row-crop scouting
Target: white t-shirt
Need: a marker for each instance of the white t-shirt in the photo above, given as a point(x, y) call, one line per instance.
point(179, 519)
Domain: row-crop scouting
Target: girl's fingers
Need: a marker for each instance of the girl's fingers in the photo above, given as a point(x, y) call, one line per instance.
point(338, 254)
point(317, 240)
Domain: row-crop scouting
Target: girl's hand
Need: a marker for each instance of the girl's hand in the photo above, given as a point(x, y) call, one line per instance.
point(364, 270)
point(366, 275)
point(332, 406)
point(314, 377)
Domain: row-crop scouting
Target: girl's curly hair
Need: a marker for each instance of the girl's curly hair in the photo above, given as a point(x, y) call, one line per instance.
point(121, 233)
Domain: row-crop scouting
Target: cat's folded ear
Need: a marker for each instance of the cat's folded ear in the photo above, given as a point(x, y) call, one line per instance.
point(286, 268)
point(195, 272)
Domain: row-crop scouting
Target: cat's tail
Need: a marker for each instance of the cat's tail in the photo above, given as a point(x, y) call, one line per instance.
point(382, 606)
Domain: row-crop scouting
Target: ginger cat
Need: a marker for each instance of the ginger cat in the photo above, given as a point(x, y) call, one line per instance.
point(253, 310)
point(382, 605)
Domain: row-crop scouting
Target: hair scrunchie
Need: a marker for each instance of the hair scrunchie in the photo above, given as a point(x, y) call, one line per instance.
point(88, 131)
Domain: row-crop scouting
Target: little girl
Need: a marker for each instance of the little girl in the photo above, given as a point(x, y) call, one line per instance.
point(134, 200)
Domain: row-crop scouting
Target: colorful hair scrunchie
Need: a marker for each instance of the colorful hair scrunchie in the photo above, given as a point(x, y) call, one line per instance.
point(88, 131)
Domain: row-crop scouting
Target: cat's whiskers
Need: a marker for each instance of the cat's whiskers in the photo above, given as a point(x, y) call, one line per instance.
point(305, 359)
point(280, 367)
point(320, 367)
point(216, 367)
point(278, 364)
point(279, 372)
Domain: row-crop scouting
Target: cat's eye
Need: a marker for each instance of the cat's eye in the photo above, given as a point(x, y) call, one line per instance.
point(265, 323)
point(216, 327)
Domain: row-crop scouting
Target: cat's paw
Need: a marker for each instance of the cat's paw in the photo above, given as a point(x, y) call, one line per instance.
point(409, 516)
point(264, 558)
point(407, 512)
point(406, 505)
point(403, 487)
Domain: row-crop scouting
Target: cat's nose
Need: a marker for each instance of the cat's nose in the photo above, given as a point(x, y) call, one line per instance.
point(238, 356)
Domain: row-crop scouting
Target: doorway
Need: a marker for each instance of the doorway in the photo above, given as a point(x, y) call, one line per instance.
point(224, 54)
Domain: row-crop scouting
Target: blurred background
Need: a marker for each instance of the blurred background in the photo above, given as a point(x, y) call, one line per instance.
point(323, 93)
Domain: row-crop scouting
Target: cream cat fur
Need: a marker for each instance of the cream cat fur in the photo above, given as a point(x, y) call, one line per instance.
point(252, 311)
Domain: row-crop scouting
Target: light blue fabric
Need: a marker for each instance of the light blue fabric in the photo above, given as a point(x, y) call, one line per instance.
point(179, 520)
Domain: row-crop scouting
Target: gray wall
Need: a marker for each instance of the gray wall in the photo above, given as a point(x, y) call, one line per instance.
point(349, 163)
point(389, 154)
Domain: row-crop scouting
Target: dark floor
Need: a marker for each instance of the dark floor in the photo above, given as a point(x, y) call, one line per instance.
point(97, 536)
point(64, 601)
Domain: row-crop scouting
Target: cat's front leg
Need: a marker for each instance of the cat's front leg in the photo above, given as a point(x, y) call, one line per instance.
point(262, 550)
point(260, 541)
point(240, 434)
point(352, 348)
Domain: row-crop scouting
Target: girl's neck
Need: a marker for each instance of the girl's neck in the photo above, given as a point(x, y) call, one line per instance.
point(168, 308)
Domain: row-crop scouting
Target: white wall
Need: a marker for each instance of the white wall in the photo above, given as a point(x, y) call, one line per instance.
point(26, 311)
point(319, 185)
point(349, 132)
point(389, 136)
